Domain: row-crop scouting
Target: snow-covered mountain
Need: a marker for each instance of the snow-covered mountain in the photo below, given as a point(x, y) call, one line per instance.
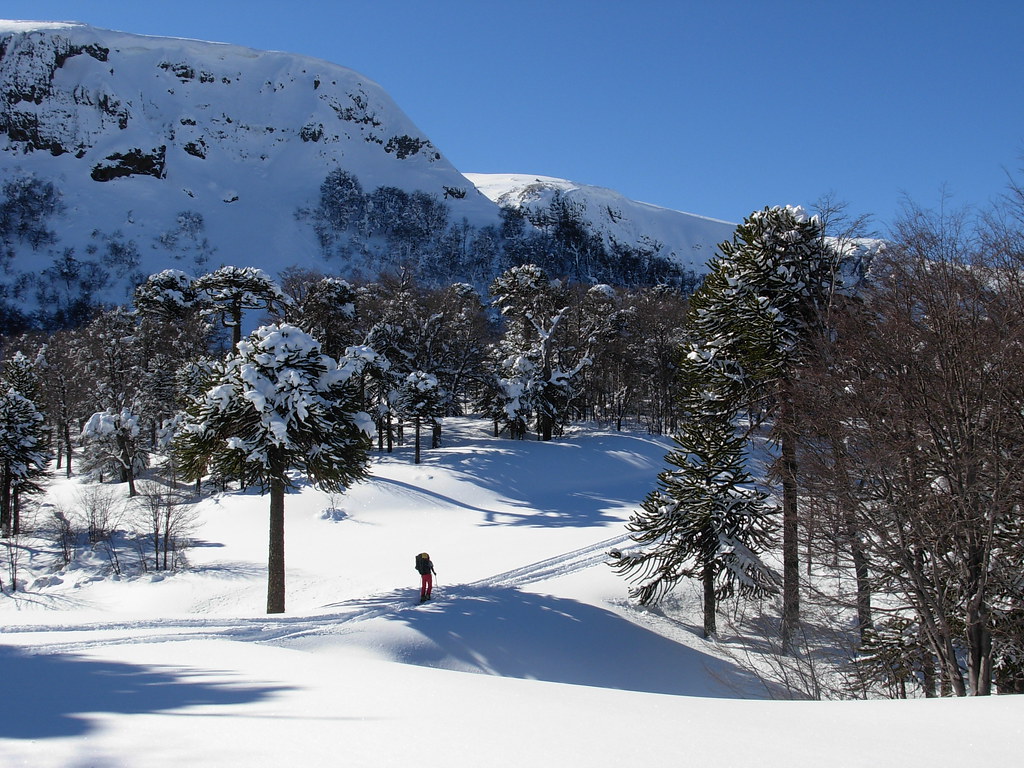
point(685, 238)
point(122, 154)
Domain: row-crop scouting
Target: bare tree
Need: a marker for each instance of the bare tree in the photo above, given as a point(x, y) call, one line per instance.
point(166, 517)
point(923, 455)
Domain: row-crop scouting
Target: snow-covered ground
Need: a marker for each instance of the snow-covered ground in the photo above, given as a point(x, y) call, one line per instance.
point(529, 655)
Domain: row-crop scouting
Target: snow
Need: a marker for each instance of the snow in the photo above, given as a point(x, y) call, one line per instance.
point(690, 239)
point(529, 655)
point(245, 108)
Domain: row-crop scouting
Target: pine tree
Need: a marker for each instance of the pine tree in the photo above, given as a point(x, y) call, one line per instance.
point(420, 399)
point(229, 291)
point(170, 294)
point(327, 311)
point(535, 373)
point(277, 404)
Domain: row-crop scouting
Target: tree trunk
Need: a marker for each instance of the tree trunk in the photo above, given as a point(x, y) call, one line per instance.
point(710, 623)
point(790, 531)
point(545, 426)
point(5, 500)
point(861, 570)
point(979, 649)
point(236, 328)
point(275, 563)
point(127, 471)
point(416, 423)
point(67, 443)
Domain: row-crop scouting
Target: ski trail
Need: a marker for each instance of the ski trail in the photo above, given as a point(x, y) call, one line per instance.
point(559, 565)
point(277, 629)
point(261, 629)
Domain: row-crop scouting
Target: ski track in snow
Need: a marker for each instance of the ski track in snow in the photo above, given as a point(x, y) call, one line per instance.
point(276, 630)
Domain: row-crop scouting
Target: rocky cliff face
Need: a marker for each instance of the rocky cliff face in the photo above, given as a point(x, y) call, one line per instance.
point(83, 91)
point(122, 155)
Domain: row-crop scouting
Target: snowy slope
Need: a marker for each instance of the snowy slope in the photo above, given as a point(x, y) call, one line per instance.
point(529, 656)
point(687, 239)
point(240, 136)
point(174, 153)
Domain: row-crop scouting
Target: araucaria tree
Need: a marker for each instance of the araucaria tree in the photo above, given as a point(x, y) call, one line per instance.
point(23, 454)
point(706, 520)
point(230, 291)
point(535, 374)
point(419, 400)
point(276, 405)
point(756, 312)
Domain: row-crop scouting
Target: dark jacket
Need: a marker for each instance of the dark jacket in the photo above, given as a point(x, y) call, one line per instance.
point(424, 564)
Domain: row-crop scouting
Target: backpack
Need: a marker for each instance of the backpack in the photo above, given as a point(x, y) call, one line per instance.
point(423, 562)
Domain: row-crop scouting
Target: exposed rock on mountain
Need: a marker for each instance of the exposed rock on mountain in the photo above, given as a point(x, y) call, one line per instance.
point(122, 155)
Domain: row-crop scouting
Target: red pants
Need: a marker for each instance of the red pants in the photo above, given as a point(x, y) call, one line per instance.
point(426, 586)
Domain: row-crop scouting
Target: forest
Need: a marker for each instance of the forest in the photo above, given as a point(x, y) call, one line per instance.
point(883, 532)
point(360, 235)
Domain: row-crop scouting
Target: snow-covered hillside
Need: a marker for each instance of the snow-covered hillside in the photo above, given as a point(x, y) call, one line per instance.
point(529, 655)
point(136, 131)
point(685, 238)
point(122, 155)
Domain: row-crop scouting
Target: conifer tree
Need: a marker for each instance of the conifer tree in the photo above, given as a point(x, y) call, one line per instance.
point(276, 404)
point(420, 399)
point(229, 291)
point(706, 519)
point(755, 312)
point(23, 455)
point(327, 311)
point(535, 374)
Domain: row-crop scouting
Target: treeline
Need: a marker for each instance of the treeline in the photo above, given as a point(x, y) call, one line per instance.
point(362, 235)
point(118, 397)
point(847, 417)
point(535, 355)
point(387, 229)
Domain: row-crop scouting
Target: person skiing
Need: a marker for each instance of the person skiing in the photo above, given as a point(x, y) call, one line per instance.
point(427, 574)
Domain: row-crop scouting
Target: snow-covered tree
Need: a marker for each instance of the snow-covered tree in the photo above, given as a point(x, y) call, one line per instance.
point(326, 309)
point(22, 374)
point(755, 313)
point(111, 442)
point(170, 294)
point(420, 399)
point(111, 358)
point(707, 519)
point(173, 330)
point(277, 405)
point(230, 291)
point(23, 455)
point(535, 374)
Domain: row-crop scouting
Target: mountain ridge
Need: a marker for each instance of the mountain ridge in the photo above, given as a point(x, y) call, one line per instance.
point(123, 154)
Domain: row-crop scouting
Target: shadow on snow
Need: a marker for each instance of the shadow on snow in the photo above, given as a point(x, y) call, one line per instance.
point(54, 694)
point(506, 632)
point(595, 474)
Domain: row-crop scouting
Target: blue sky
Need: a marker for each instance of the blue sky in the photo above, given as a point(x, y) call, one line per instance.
point(715, 108)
